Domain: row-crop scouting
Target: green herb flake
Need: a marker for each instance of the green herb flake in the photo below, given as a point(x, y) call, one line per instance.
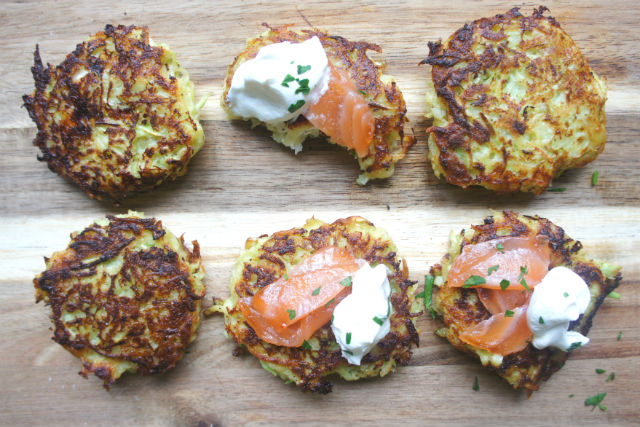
point(292, 314)
point(600, 371)
point(306, 345)
point(619, 336)
point(611, 377)
point(303, 90)
point(331, 301)
point(428, 294)
point(557, 190)
point(296, 106)
point(594, 178)
point(348, 339)
point(613, 295)
point(566, 294)
point(602, 407)
point(595, 400)
point(504, 284)
point(571, 395)
point(286, 276)
point(362, 92)
point(500, 247)
point(346, 282)
point(575, 345)
point(332, 317)
point(523, 271)
point(378, 320)
point(287, 79)
point(508, 313)
point(350, 353)
point(492, 269)
point(541, 320)
point(316, 291)
point(303, 68)
point(476, 386)
point(474, 281)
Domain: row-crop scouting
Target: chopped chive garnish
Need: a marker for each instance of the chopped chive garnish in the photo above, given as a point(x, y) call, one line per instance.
point(541, 320)
point(575, 345)
point(303, 68)
point(557, 190)
point(350, 353)
point(504, 284)
point(566, 294)
point(474, 281)
point(332, 317)
point(306, 345)
point(571, 395)
point(612, 376)
point(292, 314)
point(614, 295)
point(602, 407)
point(287, 79)
point(303, 90)
point(523, 271)
point(500, 247)
point(331, 301)
point(508, 313)
point(476, 386)
point(428, 294)
point(619, 336)
point(594, 178)
point(286, 276)
point(348, 338)
point(595, 400)
point(362, 92)
point(296, 106)
point(378, 320)
point(523, 282)
point(316, 291)
point(492, 269)
point(346, 282)
point(600, 371)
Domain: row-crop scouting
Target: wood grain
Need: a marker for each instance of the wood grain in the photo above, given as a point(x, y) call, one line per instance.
point(242, 184)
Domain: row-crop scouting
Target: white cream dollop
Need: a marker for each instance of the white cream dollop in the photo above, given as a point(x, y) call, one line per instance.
point(361, 320)
point(265, 87)
point(561, 297)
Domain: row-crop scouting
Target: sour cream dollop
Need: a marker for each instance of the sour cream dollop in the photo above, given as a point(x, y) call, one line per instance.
point(361, 320)
point(280, 81)
point(561, 297)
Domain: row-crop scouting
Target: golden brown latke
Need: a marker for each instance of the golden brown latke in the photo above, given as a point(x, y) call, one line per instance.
point(125, 296)
point(118, 116)
point(514, 104)
point(390, 144)
point(267, 258)
point(461, 307)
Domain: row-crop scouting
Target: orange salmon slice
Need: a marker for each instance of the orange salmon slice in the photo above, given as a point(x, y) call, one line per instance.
point(498, 301)
point(290, 310)
point(343, 114)
point(505, 257)
point(499, 333)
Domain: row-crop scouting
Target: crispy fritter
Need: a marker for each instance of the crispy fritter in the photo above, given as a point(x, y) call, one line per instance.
point(514, 104)
point(461, 308)
point(267, 258)
point(389, 145)
point(125, 296)
point(118, 116)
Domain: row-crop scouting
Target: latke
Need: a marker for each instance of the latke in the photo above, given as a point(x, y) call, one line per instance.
point(390, 143)
point(125, 296)
point(514, 104)
point(267, 258)
point(461, 307)
point(117, 116)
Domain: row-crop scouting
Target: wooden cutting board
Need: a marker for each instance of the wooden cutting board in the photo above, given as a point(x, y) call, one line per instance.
point(242, 184)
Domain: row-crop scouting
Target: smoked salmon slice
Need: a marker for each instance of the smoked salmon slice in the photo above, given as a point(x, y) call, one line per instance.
point(502, 333)
point(290, 310)
point(509, 259)
point(343, 114)
point(498, 301)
